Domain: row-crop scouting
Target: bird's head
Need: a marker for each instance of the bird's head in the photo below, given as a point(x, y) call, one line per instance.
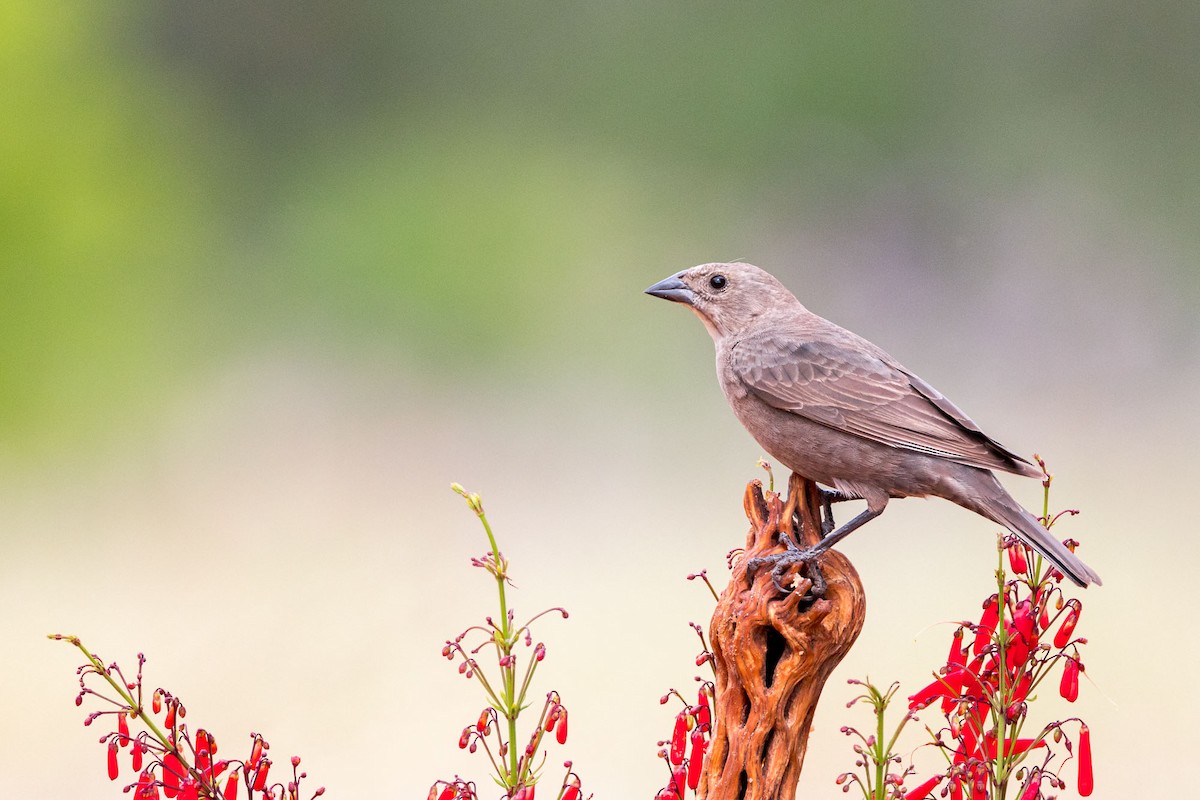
point(728, 298)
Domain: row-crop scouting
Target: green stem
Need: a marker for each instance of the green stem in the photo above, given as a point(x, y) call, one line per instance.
point(134, 705)
point(504, 642)
point(880, 755)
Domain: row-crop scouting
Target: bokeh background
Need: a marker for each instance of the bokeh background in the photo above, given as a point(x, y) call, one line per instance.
point(273, 274)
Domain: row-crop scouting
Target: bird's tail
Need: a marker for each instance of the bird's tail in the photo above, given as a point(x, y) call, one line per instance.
point(998, 505)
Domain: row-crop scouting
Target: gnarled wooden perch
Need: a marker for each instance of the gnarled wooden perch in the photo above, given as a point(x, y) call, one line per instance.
point(773, 651)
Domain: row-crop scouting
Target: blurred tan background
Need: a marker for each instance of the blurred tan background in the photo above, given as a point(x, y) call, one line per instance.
point(273, 274)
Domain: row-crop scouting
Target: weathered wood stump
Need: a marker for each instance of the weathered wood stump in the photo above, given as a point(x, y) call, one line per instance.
point(773, 651)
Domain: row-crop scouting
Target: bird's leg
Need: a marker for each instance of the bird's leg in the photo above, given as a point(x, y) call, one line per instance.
point(828, 498)
point(841, 533)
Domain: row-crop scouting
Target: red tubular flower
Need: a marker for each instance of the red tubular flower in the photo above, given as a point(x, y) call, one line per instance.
point(967, 682)
point(260, 778)
point(1016, 558)
point(679, 780)
point(1021, 690)
point(1068, 627)
point(1014, 747)
point(231, 787)
point(969, 747)
point(696, 761)
point(1086, 784)
point(560, 732)
point(172, 772)
point(1033, 788)
point(156, 701)
point(703, 712)
point(113, 769)
point(987, 624)
point(123, 729)
point(136, 754)
point(1022, 636)
point(679, 738)
point(170, 719)
point(925, 789)
point(203, 752)
point(255, 753)
point(190, 791)
point(1069, 687)
point(925, 696)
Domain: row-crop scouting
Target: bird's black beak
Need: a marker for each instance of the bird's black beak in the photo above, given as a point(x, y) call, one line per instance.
point(672, 289)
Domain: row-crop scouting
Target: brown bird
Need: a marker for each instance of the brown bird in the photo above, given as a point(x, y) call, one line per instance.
point(838, 410)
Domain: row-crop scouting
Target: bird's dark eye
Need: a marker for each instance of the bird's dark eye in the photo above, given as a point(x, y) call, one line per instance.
point(717, 282)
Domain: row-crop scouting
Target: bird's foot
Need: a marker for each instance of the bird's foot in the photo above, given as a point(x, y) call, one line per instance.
point(793, 556)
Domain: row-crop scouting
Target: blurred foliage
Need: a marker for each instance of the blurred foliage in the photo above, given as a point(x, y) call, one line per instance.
point(180, 181)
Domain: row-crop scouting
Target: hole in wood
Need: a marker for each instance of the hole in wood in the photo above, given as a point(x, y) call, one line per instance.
point(776, 649)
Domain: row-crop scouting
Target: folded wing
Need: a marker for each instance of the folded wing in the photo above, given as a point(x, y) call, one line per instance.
point(835, 378)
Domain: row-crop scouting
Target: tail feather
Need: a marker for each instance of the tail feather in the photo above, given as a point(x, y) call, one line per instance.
point(999, 506)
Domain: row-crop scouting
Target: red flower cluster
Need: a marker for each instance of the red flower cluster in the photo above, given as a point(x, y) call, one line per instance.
point(693, 724)
point(1025, 634)
point(169, 759)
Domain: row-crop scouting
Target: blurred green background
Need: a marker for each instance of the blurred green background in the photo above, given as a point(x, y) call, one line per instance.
point(273, 274)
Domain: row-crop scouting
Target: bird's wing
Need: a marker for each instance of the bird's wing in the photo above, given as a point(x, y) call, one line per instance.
point(846, 383)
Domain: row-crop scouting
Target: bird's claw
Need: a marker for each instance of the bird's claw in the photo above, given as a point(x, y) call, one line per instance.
point(791, 557)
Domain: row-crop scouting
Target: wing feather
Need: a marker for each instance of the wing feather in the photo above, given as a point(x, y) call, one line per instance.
point(842, 381)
